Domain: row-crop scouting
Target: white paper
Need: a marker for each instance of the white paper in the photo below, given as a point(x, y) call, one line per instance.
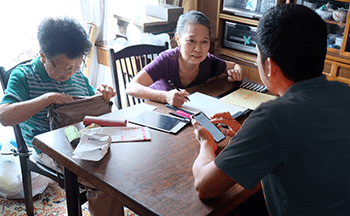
point(123, 134)
point(92, 146)
point(209, 105)
point(140, 109)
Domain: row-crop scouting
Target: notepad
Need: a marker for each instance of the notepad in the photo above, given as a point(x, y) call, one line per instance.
point(247, 98)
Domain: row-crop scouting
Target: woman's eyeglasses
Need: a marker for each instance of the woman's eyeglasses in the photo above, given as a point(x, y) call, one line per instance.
point(82, 67)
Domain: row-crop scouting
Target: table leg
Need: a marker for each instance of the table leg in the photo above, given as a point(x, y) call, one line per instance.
point(72, 193)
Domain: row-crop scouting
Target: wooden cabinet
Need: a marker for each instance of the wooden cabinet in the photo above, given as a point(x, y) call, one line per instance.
point(246, 59)
point(337, 65)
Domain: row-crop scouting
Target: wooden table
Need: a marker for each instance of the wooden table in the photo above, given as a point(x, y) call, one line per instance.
point(150, 177)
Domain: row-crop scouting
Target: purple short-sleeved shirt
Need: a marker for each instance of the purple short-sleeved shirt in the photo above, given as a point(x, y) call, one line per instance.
point(166, 67)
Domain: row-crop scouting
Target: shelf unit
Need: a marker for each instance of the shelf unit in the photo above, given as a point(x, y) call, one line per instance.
point(337, 64)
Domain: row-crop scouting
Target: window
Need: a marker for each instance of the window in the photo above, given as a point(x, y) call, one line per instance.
point(19, 23)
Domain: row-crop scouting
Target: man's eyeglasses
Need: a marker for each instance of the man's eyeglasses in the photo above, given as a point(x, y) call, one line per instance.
point(82, 67)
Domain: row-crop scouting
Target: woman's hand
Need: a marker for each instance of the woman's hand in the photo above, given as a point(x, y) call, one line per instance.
point(175, 97)
point(235, 74)
point(226, 119)
point(107, 91)
point(203, 135)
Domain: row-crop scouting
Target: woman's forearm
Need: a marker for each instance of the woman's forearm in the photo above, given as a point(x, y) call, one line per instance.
point(137, 90)
point(15, 113)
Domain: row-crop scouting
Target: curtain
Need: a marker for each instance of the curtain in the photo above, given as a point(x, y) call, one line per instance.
point(94, 11)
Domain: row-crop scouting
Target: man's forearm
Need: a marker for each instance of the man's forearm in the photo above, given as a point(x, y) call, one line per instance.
point(210, 181)
point(206, 155)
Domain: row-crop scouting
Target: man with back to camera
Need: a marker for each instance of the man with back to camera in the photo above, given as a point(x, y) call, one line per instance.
point(297, 145)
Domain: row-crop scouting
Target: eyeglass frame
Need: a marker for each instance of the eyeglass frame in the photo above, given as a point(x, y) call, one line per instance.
point(70, 71)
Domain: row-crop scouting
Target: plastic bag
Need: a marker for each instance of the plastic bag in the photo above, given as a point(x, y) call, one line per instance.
point(11, 177)
point(135, 36)
point(92, 146)
point(10, 173)
point(120, 43)
point(159, 39)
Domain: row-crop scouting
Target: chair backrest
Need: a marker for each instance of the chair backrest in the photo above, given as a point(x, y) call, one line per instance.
point(4, 78)
point(126, 63)
point(5, 75)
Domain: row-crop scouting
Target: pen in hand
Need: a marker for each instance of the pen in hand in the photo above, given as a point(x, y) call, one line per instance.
point(172, 84)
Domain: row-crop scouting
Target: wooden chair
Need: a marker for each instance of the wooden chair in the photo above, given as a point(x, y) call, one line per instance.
point(126, 63)
point(28, 164)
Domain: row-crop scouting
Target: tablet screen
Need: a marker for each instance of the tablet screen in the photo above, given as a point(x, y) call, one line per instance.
point(158, 121)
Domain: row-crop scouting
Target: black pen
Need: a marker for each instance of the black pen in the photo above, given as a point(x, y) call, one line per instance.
point(172, 84)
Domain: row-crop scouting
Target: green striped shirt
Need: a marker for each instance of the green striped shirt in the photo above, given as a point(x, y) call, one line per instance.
point(30, 81)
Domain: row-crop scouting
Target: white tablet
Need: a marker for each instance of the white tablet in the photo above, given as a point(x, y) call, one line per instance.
point(159, 121)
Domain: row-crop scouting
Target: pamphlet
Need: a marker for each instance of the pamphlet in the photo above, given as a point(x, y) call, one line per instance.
point(247, 98)
point(124, 134)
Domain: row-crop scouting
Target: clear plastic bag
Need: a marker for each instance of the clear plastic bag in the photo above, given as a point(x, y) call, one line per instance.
point(11, 186)
point(135, 36)
point(10, 173)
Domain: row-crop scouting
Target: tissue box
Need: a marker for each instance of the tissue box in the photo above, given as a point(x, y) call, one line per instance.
point(166, 12)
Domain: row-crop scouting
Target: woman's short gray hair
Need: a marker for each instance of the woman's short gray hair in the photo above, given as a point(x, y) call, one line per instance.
point(192, 17)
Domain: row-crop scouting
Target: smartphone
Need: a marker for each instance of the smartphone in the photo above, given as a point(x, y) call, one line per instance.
point(204, 121)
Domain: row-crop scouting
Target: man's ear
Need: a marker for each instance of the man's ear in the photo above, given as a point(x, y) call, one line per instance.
point(42, 56)
point(177, 39)
point(271, 67)
point(267, 66)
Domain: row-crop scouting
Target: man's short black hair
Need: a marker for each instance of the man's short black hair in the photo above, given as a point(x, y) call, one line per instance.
point(295, 37)
point(63, 35)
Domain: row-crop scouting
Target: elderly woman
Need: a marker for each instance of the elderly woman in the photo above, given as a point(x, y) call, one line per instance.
point(187, 65)
point(53, 77)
